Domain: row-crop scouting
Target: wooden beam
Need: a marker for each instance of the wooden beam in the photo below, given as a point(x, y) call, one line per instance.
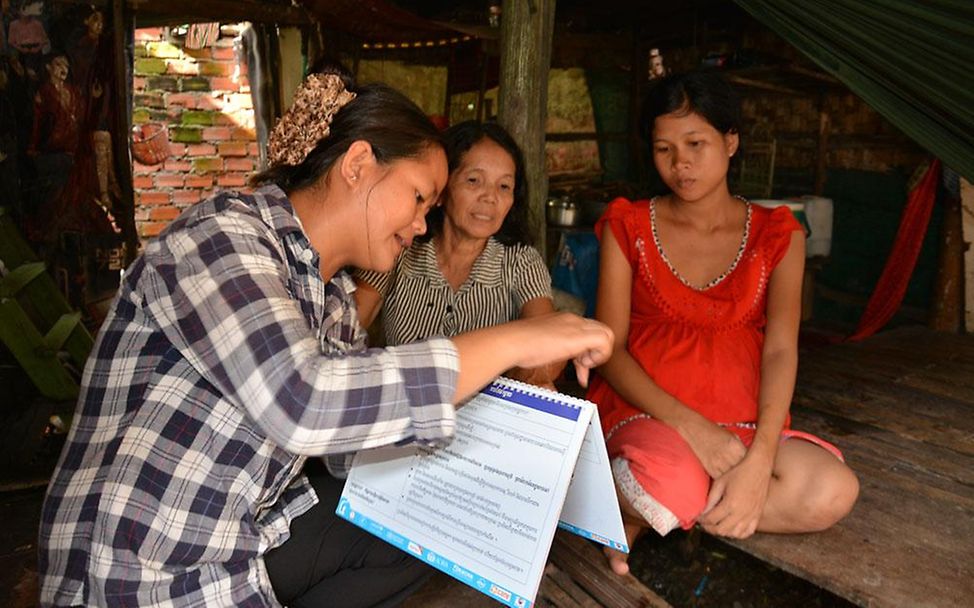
point(764, 86)
point(100, 4)
point(813, 74)
point(587, 136)
point(840, 141)
point(526, 32)
point(173, 12)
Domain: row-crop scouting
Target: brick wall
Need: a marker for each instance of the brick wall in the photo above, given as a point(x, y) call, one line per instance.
point(203, 96)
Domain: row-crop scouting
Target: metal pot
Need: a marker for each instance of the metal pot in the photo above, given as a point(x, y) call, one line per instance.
point(562, 212)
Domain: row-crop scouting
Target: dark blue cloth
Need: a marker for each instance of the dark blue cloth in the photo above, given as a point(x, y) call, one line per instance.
point(576, 267)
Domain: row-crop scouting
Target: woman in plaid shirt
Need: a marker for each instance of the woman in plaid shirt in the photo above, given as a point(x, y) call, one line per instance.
point(233, 352)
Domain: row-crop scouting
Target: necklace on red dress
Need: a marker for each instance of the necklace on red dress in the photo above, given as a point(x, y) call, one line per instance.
point(721, 276)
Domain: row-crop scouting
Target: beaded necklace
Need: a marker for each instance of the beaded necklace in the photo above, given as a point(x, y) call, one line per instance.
point(721, 276)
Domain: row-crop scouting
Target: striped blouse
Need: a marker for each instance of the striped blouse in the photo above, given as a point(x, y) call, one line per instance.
point(419, 302)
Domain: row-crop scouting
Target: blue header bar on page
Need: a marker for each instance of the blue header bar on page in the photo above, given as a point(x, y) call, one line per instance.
point(549, 406)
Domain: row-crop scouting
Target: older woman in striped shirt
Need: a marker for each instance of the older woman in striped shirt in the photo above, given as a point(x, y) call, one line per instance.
point(476, 267)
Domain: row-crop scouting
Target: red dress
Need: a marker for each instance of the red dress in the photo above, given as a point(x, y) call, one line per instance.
point(702, 346)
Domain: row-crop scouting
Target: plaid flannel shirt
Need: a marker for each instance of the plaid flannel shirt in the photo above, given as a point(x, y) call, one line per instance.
point(226, 361)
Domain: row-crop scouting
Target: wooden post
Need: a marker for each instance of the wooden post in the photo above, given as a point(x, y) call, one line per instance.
point(946, 313)
point(822, 160)
point(482, 62)
point(527, 28)
point(639, 165)
point(967, 209)
point(274, 70)
point(451, 69)
point(122, 24)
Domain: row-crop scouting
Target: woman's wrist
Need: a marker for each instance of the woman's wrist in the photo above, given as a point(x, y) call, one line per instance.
point(767, 436)
point(684, 420)
point(763, 449)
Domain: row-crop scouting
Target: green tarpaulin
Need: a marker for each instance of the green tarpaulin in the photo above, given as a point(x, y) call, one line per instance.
point(913, 61)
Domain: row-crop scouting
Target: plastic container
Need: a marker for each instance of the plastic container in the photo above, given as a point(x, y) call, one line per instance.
point(818, 210)
point(797, 209)
point(815, 214)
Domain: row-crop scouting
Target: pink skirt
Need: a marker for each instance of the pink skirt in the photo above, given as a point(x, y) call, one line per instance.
point(661, 477)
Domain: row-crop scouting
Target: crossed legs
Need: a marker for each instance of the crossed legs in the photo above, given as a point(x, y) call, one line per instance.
point(661, 484)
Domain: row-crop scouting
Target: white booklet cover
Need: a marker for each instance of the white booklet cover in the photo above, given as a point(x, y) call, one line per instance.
point(591, 510)
point(484, 509)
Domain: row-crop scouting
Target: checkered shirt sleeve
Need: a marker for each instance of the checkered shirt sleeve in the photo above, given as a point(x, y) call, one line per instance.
point(219, 293)
point(224, 362)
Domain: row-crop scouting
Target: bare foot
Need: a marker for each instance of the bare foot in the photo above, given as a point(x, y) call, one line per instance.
point(619, 561)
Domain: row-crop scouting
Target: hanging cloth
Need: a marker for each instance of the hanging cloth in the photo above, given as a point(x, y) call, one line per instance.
point(910, 61)
point(891, 287)
point(202, 35)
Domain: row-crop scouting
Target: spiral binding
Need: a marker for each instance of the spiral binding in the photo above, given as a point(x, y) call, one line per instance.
point(541, 393)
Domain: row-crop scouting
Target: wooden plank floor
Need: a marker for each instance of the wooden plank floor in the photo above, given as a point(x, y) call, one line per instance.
point(901, 407)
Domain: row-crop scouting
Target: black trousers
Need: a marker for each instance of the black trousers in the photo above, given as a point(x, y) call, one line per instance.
point(328, 562)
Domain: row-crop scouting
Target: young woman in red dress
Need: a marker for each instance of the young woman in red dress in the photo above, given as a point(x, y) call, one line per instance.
point(703, 290)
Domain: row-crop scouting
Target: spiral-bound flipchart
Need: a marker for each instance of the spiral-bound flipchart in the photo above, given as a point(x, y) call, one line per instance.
point(484, 509)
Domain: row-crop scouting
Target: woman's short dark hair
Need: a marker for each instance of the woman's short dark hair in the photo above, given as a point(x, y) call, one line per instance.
point(705, 93)
point(458, 140)
point(394, 126)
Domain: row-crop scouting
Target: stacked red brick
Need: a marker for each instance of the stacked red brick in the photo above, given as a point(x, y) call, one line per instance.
point(203, 96)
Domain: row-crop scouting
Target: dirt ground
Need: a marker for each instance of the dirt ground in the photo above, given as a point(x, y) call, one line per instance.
point(694, 569)
point(20, 512)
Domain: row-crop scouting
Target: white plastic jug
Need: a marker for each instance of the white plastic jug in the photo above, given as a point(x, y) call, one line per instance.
point(818, 212)
point(797, 208)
